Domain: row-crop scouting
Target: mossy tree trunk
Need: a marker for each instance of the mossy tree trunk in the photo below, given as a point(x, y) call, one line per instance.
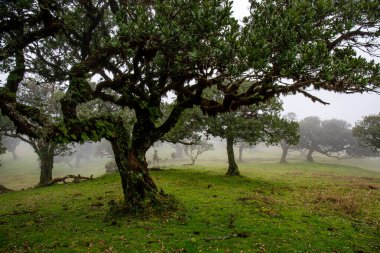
point(233, 169)
point(138, 187)
point(46, 156)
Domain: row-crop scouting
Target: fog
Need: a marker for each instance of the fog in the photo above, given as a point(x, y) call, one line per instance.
point(24, 172)
point(349, 107)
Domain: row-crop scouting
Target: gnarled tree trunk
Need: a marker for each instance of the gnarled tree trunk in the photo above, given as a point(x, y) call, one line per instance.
point(233, 169)
point(138, 186)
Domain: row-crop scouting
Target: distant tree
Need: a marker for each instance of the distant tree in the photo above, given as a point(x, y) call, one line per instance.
point(5, 124)
point(83, 152)
point(368, 131)
point(45, 97)
point(332, 138)
point(289, 140)
point(2, 147)
point(11, 143)
point(193, 151)
point(103, 149)
point(147, 50)
point(251, 124)
point(241, 146)
point(310, 134)
point(178, 150)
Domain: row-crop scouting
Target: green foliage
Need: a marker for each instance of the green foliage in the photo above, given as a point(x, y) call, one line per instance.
point(253, 124)
point(189, 127)
point(368, 131)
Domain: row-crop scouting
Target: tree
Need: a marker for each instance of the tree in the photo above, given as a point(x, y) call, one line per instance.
point(2, 148)
point(147, 50)
point(11, 143)
point(242, 145)
point(193, 151)
point(289, 140)
point(104, 149)
point(310, 133)
point(43, 96)
point(368, 131)
point(251, 124)
point(332, 138)
point(83, 151)
point(7, 142)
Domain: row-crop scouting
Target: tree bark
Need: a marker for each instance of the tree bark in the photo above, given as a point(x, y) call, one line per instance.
point(309, 156)
point(138, 186)
point(46, 157)
point(285, 150)
point(233, 169)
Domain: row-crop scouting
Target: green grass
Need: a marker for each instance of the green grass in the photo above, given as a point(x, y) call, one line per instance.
point(297, 207)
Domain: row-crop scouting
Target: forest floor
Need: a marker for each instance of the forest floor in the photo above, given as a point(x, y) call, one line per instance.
point(295, 207)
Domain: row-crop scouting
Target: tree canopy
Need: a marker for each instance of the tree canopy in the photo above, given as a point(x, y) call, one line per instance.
point(332, 137)
point(368, 131)
point(134, 54)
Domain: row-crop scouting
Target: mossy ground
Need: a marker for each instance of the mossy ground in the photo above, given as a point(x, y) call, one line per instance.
point(296, 207)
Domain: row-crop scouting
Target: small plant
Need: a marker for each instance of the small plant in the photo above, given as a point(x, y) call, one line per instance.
point(111, 167)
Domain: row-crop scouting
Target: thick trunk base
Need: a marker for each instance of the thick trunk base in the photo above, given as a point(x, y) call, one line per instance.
point(233, 171)
point(152, 205)
point(46, 174)
point(141, 195)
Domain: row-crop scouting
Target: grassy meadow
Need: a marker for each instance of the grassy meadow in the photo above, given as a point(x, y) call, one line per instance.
point(326, 206)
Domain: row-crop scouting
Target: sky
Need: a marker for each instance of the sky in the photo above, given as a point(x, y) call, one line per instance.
point(349, 107)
